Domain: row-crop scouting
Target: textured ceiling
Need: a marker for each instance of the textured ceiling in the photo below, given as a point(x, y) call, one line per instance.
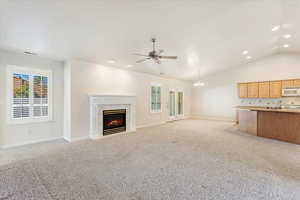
point(206, 35)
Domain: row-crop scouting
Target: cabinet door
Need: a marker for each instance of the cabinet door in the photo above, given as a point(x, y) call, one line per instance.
point(275, 89)
point(296, 83)
point(264, 89)
point(243, 90)
point(288, 84)
point(252, 90)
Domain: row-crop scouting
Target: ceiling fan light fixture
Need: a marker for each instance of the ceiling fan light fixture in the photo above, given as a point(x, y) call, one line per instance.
point(245, 52)
point(154, 55)
point(286, 46)
point(275, 28)
point(111, 61)
point(198, 84)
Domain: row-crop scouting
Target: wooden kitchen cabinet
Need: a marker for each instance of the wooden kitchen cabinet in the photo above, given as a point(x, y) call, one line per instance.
point(264, 89)
point(288, 84)
point(296, 83)
point(243, 90)
point(275, 89)
point(253, 90)
point(282, 126)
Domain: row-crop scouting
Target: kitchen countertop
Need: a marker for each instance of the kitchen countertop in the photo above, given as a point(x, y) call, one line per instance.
point(258, 108)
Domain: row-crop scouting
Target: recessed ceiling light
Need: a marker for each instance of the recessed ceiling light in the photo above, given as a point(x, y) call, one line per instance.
point(129, 66)
point(245, 52)
point(249, 57)
point(111, 61)
point(286, 45)
point(275, 28)
point(287, 36)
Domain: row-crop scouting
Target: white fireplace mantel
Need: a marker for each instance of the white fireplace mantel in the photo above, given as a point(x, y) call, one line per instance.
point(99, 103)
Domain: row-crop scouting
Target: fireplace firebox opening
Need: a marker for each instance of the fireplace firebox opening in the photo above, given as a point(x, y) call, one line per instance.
point(114, 121)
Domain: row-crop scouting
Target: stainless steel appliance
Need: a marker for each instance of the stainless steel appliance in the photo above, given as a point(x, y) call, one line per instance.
point(290, 92)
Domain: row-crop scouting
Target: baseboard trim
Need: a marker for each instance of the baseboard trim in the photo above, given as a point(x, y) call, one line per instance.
point(149, 125)
point(31, 142)
point(212, 118)
point(76, 139)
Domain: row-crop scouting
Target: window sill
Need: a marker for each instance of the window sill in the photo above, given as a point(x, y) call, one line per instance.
point(156, 112)
point(21, 122)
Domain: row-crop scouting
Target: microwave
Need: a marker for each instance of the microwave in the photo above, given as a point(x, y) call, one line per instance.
point(290, 92)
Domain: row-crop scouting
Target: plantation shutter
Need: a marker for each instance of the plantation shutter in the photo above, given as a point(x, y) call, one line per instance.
point(20, 102)
point(30, 96)
point(40, 96)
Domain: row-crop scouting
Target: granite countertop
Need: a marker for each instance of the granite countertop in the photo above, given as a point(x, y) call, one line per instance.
point(259, 108)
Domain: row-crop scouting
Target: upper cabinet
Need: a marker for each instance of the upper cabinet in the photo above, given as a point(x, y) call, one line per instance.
point(264, 89)
point(275, 89)
point(291, 83)
point(288, 84)
point(243, 90)
point(296, 83)
point(253, 90)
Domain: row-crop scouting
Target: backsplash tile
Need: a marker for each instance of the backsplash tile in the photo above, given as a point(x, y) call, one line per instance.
point(270, 102)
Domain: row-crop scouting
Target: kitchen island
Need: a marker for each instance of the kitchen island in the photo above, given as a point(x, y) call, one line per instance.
point(274, 123)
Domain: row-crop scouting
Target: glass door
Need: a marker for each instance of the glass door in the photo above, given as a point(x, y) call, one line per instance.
point(176, 104)
point(180, 104)
point(172, 105)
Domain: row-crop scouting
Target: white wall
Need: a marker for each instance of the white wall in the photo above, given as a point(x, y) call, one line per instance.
point(10, 134)
point(88, 78)
point(219, 95)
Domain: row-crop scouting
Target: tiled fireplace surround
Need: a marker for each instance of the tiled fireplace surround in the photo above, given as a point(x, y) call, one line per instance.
point(99, 103)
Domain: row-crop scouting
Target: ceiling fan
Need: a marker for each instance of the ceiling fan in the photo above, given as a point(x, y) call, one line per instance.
point(154, 55)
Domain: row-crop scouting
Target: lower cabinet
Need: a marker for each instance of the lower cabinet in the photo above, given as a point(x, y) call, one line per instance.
point(279, 125)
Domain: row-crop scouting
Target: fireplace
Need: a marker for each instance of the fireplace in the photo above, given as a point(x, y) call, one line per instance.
point(114, 121)
point(101, 105)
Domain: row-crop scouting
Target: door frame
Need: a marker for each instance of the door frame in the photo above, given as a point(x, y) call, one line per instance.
point(176, 116)
point(180, 116)
point(171, 118)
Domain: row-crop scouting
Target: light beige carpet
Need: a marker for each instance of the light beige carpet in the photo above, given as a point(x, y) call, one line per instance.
point(189, 159)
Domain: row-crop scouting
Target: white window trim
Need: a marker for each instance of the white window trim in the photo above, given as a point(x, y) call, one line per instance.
point(30, 71)
point(155, 85)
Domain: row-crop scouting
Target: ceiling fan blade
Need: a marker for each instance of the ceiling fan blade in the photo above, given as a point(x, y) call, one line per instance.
point(168, 57)
point(137, 54)
point(143, 60)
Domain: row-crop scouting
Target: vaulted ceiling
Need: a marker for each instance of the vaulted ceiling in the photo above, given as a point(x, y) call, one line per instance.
point(206, 35)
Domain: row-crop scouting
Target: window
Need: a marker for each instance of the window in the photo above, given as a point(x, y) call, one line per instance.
point(28, 95)
point(155, 98)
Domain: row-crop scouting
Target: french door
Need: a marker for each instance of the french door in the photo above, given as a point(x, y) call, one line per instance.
point(175, 104)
